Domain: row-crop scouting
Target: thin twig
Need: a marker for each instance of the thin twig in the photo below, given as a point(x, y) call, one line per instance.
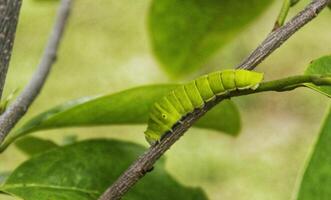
point(278, 37)
point(282, 14)
point(9, 13)
point(145, 162)
point(18, 108)
point(287, 4)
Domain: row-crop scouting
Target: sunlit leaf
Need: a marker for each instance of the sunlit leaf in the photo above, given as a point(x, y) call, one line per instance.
point(127, 107)
point(82, 171)
point(320, 66)
point(185, 33)
point(317, 177)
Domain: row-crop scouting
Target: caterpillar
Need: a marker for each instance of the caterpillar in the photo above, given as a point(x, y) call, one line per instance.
point(173, 107)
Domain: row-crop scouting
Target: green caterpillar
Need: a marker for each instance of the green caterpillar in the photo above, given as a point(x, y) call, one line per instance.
point(173, 107)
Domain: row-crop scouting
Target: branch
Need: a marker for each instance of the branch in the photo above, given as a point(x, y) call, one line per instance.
point(9, 13)
point(18, 108)
point(278, 37)
point(145, 162)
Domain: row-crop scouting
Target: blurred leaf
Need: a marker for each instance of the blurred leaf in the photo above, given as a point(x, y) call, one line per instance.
point(3, 177)
point(317, 177)
point(320, 66)
point(185, 33)
point(69, 139)
point(33, 145)
point(82, 171)
point(294, 2)
point(126, 107)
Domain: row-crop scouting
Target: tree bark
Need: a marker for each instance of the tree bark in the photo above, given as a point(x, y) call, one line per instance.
point(9, 13)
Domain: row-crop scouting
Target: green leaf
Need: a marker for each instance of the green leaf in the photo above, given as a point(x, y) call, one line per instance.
point(84, 170)
point(185, 33)
point(317, 177)
point(320, 66)
point(33, 145)
point(126, 107)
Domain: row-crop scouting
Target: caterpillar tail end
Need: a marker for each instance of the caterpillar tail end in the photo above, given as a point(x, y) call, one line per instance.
point(256, 78)
point(248, 79)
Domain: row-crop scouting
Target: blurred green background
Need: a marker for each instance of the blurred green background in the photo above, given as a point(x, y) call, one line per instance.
point(106, 49)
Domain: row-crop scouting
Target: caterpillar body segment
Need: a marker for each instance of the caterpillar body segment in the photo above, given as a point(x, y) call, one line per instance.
point(173, 99)
point(194, 94)
point(184, 99)
point(172, 108)
point(203, 86)
point(228, 79)
point(215, 83)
